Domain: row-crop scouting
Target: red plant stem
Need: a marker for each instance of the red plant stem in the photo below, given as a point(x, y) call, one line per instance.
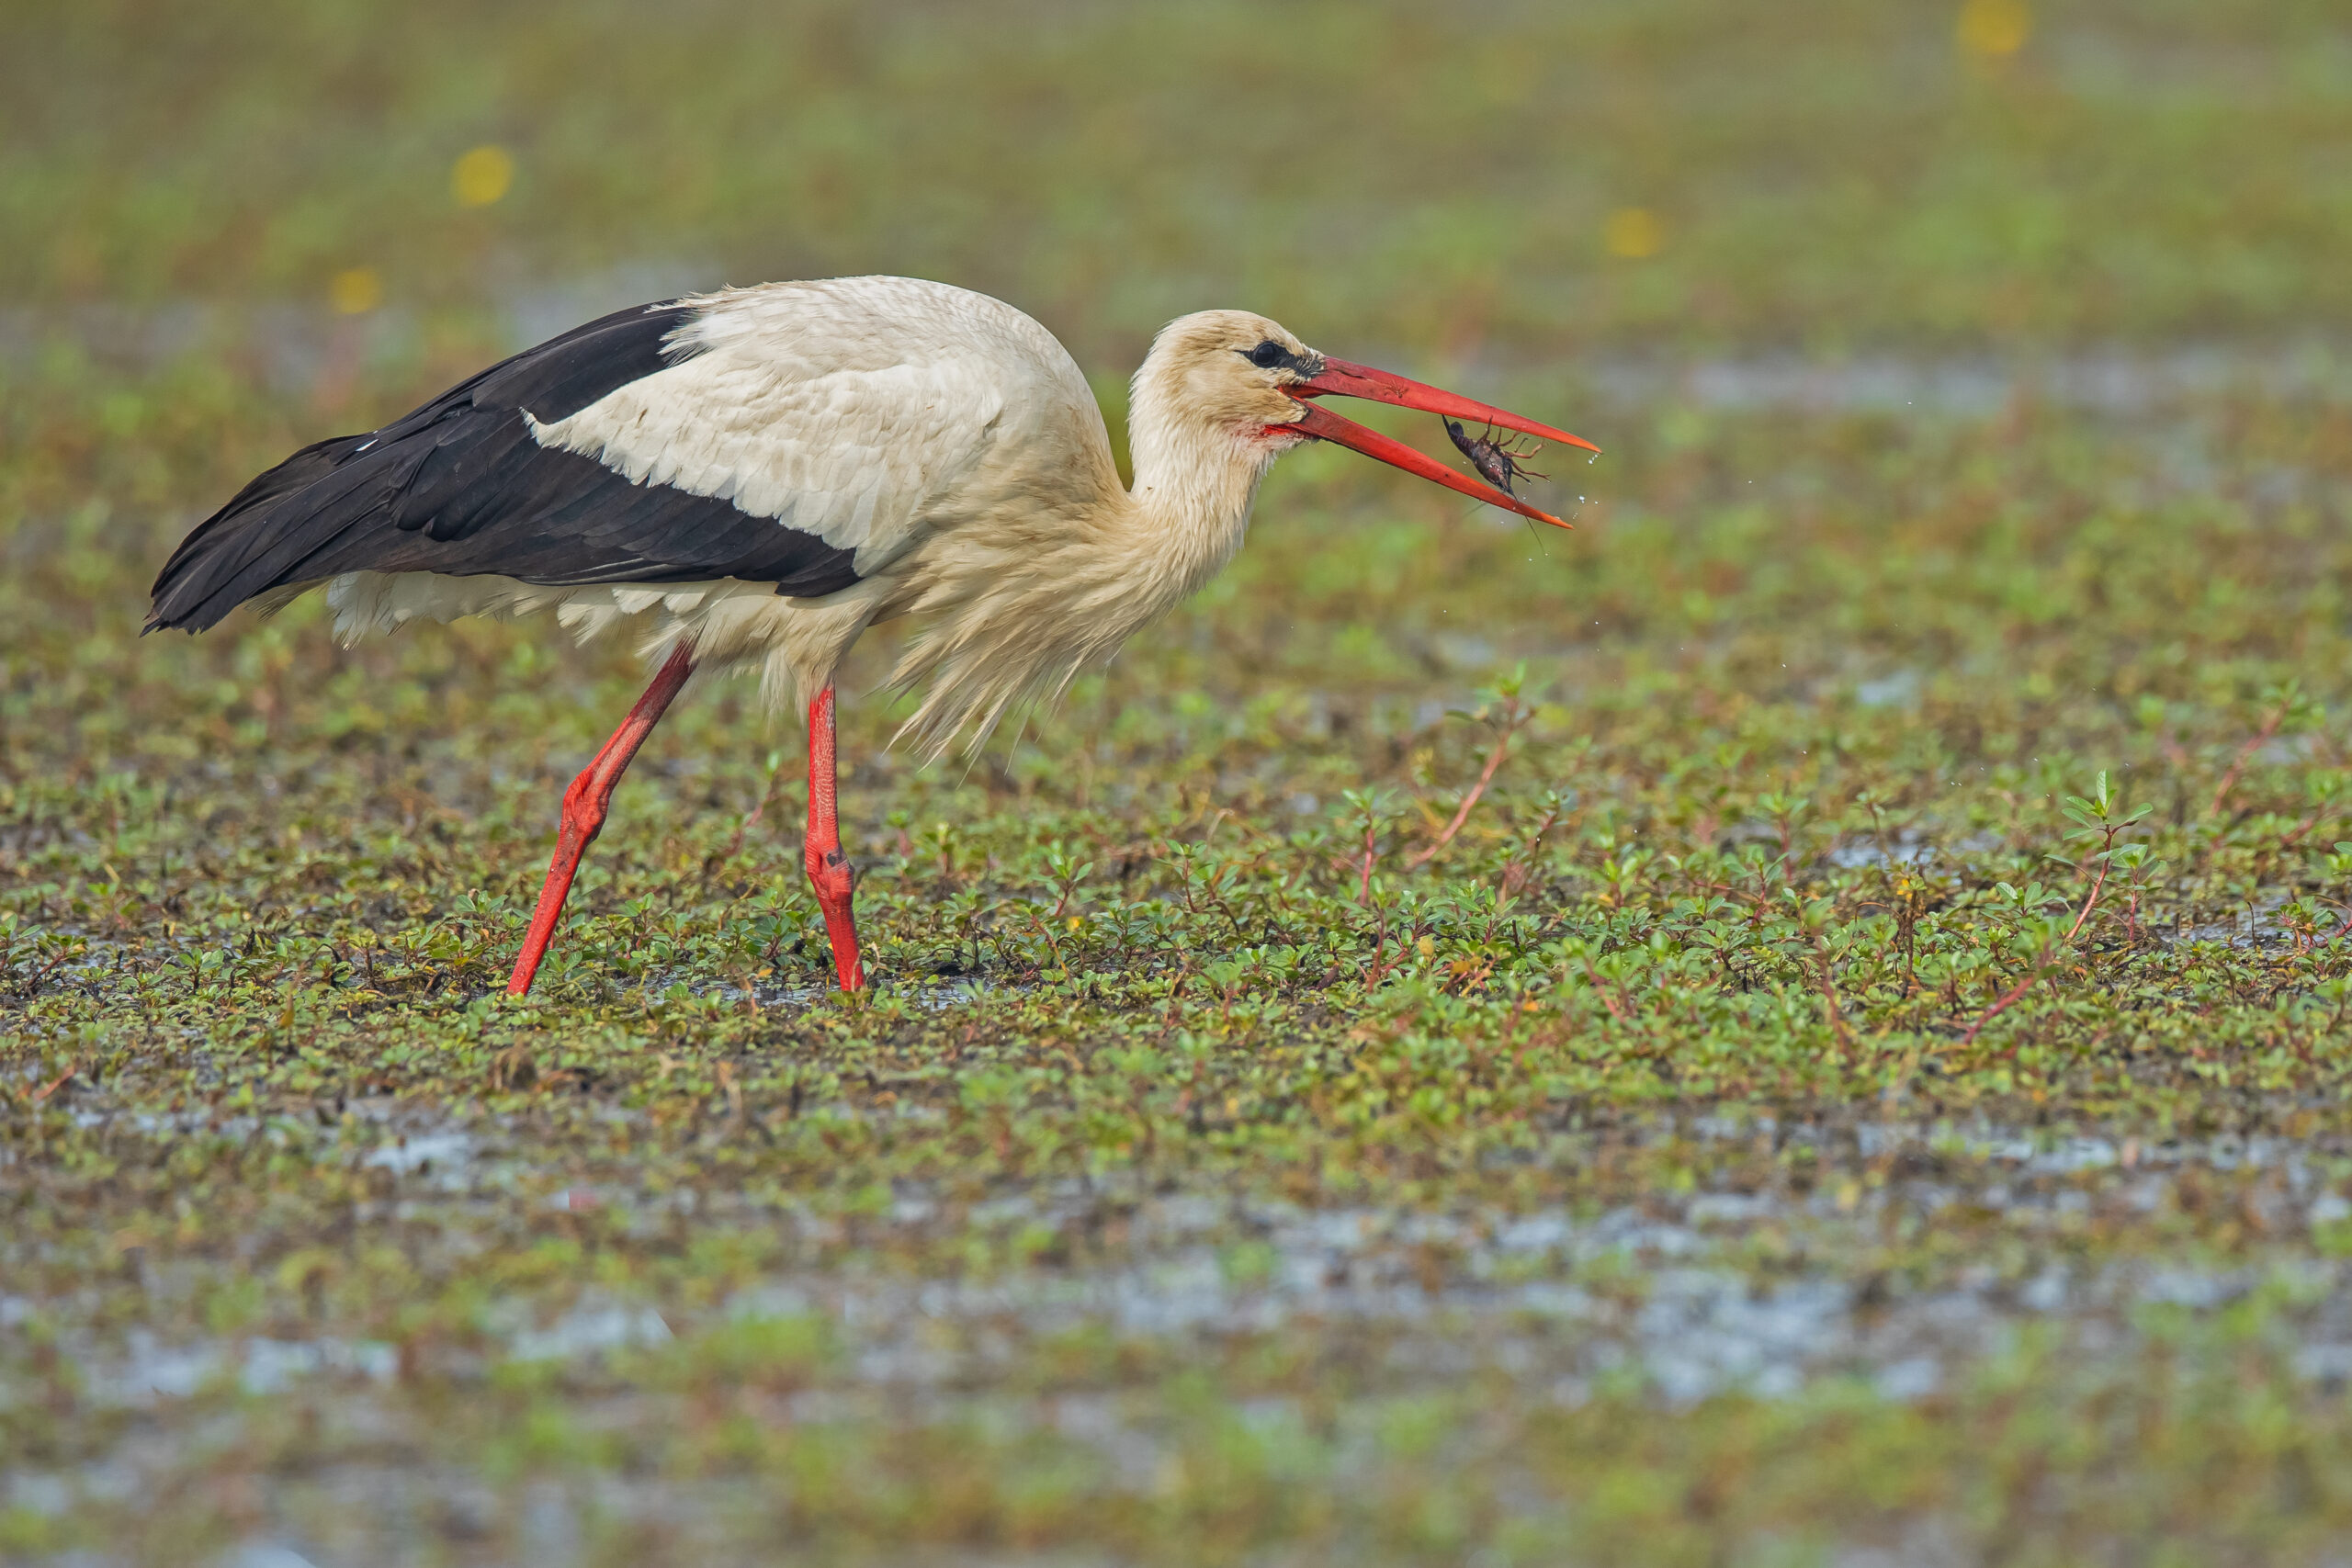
point(1493, 761)
point(1515, 875)
point(1829, 992)
point(2305, 825)
point(2229, 780)
point(2092, 902)
point(1379, 949)
point(1999, 1007)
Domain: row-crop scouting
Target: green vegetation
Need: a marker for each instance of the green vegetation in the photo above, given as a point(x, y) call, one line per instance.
point(1869, 1075)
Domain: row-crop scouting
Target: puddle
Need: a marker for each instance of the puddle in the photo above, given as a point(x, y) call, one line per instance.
point(587, 1329)
point(1908, 850)
point(2251, 928)
point(295, 339)
point(450, 1149)
point(2111, 381)
point(1770, 1293)
point(144, 1371)
point(1671, 1295)
point(1764, 1290)
point(1551, 1296)
point(960, 990)
point(772, 993)
point(932, 993)
point(265, 1555)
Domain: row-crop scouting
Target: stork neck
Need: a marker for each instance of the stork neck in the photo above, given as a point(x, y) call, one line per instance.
point(1194, 486)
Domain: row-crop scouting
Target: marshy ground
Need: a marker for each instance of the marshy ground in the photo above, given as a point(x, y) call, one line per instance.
point(1864, 1083)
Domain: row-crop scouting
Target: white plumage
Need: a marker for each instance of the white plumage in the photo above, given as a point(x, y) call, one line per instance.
point(943, 436)
point(842, 408)
point(751, 478)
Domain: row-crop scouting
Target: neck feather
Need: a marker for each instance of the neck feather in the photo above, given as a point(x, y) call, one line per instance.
point(1194, 483)
point(1021, 607)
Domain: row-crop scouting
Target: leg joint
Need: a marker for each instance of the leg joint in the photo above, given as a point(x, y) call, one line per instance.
point(584, 806)
point(830, 872)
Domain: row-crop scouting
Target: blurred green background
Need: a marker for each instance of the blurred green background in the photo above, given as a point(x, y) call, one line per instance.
point(1526, 179)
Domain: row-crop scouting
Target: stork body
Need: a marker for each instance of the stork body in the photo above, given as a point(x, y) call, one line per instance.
point(749, 480)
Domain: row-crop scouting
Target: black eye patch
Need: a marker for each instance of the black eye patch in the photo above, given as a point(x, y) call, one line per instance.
point(1267, 356)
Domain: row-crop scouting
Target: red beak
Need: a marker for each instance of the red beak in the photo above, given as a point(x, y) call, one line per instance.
point(1340, 379)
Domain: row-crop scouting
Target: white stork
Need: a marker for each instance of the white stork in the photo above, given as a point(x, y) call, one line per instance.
point(751, 478)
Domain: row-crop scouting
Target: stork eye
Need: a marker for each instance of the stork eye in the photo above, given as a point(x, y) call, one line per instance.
point(1267, 354)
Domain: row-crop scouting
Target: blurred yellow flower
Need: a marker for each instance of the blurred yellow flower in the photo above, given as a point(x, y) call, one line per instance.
point(482, 175)
point(356, 290)
point(1633, 233)
point(1994, 28)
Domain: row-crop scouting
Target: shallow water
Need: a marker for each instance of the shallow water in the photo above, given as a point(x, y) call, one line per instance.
point(1761, 1292)
point(1665, 1297)
point(298, 343)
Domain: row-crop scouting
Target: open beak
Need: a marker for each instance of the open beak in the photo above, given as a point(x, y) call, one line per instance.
point(1340, 379)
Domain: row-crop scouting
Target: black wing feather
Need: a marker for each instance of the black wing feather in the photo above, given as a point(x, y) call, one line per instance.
point(458, 487)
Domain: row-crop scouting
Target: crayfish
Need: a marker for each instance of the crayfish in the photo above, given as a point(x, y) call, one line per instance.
point(1498, 461)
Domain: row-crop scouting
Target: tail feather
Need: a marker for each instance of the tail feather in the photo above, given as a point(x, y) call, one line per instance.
point(461, 487)
point(188, 591)
point(264, 543)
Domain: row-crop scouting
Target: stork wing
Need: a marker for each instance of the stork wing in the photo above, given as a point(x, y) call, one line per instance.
point(769, 435)
point(840, 409)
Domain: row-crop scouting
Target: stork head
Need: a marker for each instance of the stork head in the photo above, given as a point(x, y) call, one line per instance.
point(1242, 377)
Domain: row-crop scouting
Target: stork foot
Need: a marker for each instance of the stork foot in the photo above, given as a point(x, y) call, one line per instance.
point(829, 868)
point(829, 874)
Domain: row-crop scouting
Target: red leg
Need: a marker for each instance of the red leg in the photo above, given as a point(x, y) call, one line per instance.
point(828, 867)
point(583, 810)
